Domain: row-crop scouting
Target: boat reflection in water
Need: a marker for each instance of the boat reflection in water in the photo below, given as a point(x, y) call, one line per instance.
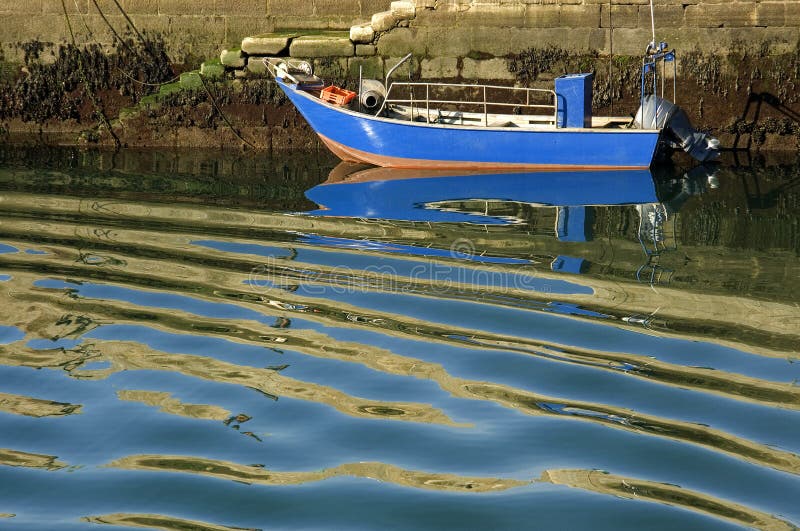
point(567, 199)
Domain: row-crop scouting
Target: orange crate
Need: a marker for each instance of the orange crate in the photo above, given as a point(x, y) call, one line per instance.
point(337, 95)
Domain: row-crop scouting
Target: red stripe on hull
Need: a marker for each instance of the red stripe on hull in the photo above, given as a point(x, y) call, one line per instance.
point(349, 154)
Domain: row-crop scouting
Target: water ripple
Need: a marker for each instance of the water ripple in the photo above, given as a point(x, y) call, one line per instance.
point(224, 364)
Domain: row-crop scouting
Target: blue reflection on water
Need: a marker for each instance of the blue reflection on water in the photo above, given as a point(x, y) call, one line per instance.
point(157, 299)
point(244, 248)
point(406, 269)
point(431, 252)
point(46, 344)
point(10, 334)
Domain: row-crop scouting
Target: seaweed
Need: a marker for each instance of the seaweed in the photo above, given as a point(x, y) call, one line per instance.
point(528, 64)
point(41, 91)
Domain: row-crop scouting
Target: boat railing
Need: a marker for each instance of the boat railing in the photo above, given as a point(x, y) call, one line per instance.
point(654, 71)
point(486, 99)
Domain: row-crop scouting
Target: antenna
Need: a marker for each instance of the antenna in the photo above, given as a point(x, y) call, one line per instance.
point(653, 22)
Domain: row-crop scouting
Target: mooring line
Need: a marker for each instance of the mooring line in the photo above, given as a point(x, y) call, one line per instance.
point(96, 104)
point(222, 114)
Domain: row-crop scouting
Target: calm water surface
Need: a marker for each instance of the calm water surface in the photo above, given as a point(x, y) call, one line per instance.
point(222, 341)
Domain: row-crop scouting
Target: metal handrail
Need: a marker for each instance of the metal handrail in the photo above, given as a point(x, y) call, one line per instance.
point(653, 57)
point(484, 102)
point(395, 67)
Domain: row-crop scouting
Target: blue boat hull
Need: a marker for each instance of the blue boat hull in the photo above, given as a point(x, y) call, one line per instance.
point(358, 137)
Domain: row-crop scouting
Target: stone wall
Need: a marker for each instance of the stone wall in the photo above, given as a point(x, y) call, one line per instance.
point(472, 25)
point(191, 27)
point(443, 31)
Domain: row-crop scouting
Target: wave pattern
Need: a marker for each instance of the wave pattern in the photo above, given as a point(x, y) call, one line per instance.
point(187, 365)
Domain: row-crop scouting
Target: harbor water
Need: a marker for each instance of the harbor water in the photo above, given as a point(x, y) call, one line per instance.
point(223, 341)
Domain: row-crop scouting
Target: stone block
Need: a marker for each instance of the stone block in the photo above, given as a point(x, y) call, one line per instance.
point(771, 14)
point(256, 65)
point(498, 43)
point(438, 18)
point(447, 42)
point(383, 21)
point(580, 16)
point(402, 73)
point(362, 33)
point(729, 15)
point(366, 50)
point(232, 58)
point(321, 46)
point(401, 41)
point(45, 28)
point(500, 16)
point(242, 7)
point(267, 44)
point(425, 4)
point(632, 41)
point(793, 15)
point(237, 27)
point(486, 40)
point(330, 68)
point(197, 30)
point(488, 69)
point(368, 7)
point(212, 69)
point(179, 7)
point(340, 7)
point(291, 7)
point(783, 40)
point(403, 10)
point(321, 22)
point(683, 39)
point(155, 24)
point(15, 7)
point(141, 7)
point(439, 68)
point(542, 16)
point(618, 16)
point(590, 39)
point(371, 67)
point(56, 7)
point(99, 31)
point(666, 16)
point(630, 2)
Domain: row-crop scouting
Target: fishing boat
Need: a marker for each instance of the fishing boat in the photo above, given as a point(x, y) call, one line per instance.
point(455, 126)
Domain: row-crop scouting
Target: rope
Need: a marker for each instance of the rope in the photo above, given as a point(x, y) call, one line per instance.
point(114, 31)
point(78, 10)
point(146, 84)
point(128, 75)
point(133, 27)
point(123, 42)
point(222, 114)
point(97, 108)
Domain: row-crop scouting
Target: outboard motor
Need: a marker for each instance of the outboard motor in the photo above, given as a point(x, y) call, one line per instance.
point(372, 95)
point(658, 113)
